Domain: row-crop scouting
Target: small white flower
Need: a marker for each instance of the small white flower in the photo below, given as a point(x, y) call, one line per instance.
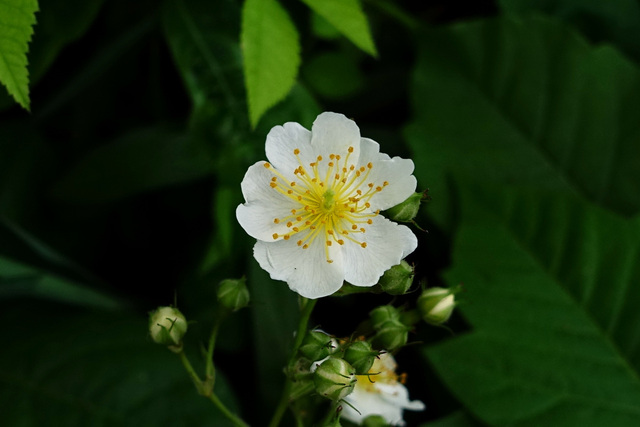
point(314, 207)
point(381, 394)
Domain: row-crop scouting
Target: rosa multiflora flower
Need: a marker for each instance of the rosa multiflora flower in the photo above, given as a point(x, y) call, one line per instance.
point(314, 207)
point(382, 392)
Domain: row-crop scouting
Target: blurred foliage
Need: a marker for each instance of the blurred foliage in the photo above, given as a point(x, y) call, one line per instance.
point(118, 194)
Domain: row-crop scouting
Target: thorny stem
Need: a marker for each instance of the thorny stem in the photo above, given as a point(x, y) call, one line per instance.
point(306, 307)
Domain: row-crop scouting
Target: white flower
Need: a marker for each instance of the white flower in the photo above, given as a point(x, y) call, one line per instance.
point(314, 207)
point(380, 394)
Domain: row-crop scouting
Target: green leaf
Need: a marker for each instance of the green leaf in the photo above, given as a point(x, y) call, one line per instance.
point(348, 18)
point(612, 21)
point(528, 102)
point(271, 55)
point(74, 368)
point(140, 161)
point(59, 23)
point(456, 419)
point(333, 75)
point(20, 280)
point(208, 59)
point(551, 294)
point(275, 320)
point(17, 18)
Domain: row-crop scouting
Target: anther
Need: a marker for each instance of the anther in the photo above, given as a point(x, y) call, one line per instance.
point(267, 165)
point(363, 244)
point(275, 236)
point(296, 151)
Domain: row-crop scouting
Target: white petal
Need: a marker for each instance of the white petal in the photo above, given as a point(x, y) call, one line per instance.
point(333, 133)
point(396, 171)
point(397, 395)
point(306, 271)
point(371, 403)
point(387, 244)
point(263, 204)
point(282, 140)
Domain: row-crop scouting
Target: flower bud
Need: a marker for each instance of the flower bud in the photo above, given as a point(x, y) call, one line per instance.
point(398, 279)
point(436, 305)
point(407, 210)
point(233, 294)
point(334, 378)
point(381, 314)
point(361, 356)
point(391, 335)
point(167, 326)
point(317, 345)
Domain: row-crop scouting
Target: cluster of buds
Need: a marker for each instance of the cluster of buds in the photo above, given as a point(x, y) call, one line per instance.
point(333, 364)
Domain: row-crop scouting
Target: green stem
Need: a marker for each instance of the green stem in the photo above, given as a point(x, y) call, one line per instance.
point(227, 413)
point(210, 368)
point(331, 413)
point(306, 309)
point(207, 392)
point(192, 373)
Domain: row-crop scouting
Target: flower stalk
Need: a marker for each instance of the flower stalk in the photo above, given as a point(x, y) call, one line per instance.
point(306, 308)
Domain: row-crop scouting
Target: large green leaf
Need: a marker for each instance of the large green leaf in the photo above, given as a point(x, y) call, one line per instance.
point(74, 368)
point(348, 18)
point(139, 161)
point(612, 21)
point(528, 102)
point(17, 18)
point(551, 293)
point(271, 54)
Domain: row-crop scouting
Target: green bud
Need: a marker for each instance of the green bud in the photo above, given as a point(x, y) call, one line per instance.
point(391, 335)
point(317, 345)
point(334, 379)
point(233, 294)
point(436, 305)
point(381, 314)
point(407, 210)
point(398, 279)
point(374, 421)
point(361, 356)
point(167, 326)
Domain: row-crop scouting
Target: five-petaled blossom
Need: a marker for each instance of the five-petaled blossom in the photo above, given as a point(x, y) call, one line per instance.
point(380, 393)
point(314, 207)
